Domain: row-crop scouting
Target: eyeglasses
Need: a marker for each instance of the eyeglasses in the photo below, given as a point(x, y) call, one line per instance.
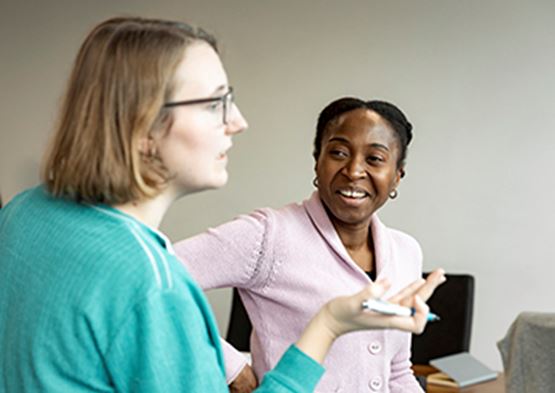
point(226, 101)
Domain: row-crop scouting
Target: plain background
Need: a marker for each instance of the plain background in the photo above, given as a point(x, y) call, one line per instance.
point(476, 78)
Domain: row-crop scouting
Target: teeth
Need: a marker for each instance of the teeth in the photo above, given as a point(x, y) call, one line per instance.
point(352, 193)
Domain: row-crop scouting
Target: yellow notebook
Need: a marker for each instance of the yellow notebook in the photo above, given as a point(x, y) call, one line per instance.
point(441, 379)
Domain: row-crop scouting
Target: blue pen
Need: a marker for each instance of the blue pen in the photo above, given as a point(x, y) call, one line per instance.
point(383, 307)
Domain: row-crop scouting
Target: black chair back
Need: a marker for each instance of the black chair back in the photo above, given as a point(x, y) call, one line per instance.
point(453, 301)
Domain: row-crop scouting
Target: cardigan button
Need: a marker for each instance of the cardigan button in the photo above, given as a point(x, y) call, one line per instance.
point(376, 384)
point(375, 347)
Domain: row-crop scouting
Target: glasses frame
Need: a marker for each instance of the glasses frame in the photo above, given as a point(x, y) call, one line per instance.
point(227, 101)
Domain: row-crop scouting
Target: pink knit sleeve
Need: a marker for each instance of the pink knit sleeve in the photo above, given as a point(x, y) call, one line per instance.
point(230, 255)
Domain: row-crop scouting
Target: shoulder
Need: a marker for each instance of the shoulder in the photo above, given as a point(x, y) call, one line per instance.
point(270, 213)
point(290, 213)
point(263, 221)
point(109, 253)
point(124, 252)
point(19, 206)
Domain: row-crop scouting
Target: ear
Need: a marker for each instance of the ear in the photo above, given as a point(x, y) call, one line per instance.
point(400, 173)
point(147, 146)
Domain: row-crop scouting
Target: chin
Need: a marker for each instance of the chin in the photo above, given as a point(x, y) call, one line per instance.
point(217, 182)
point(221, 180)
point(351, 218)
point(212, 184)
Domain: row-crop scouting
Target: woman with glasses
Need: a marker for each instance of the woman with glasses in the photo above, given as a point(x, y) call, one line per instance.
point(93, 298)
point(287, 263)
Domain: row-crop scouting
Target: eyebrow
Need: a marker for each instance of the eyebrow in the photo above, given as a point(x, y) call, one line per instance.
point(345, 140)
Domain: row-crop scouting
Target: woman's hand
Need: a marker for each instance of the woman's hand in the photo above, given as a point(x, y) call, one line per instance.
point(345, 314)
point(245, 382)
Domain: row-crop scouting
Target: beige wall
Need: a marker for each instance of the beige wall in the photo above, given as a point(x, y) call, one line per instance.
point(477, 79)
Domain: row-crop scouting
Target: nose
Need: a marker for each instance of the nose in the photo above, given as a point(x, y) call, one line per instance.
point(236, 123)
point(355, 168)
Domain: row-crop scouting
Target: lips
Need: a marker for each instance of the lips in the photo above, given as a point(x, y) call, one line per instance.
point(352, 192)
point(223, 153)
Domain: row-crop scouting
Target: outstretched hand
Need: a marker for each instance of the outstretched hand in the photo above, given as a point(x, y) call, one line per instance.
point(345, 314)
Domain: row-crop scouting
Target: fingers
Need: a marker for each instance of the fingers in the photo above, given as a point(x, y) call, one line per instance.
point(434, 279)
point(420, 315)
point(374, 290)
point(416, 295)
point(245, 382)
point(408, 291)
point(421, 287)
point(414, 324)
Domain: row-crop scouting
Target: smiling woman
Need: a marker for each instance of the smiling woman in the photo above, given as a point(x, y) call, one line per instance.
point(357, 167)
point(288, 262)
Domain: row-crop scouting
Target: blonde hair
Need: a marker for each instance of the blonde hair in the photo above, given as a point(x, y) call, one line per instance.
point(121, 78)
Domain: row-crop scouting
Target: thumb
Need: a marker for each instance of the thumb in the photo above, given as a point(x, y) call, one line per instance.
point(374, 290)
point(421, 314)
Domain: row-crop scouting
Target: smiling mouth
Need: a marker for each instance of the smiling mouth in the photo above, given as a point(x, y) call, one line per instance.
point(353, 193)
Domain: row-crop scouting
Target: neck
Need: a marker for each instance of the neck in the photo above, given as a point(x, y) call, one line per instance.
point(358, 244)
point(353, 236)
point(149, 211)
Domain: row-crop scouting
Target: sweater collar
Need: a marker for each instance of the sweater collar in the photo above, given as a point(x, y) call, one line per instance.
point(320, 219)
point(161, 238)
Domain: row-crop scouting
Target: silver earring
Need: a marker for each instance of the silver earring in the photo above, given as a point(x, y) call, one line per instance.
point(315, 182)
point(393, 194)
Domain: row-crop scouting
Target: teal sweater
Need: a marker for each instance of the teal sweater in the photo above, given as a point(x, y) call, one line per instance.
point(91, 300)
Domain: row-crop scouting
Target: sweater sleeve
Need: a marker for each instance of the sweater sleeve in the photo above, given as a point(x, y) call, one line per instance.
point(230, 255)
point(296, 372)
point(163, 346)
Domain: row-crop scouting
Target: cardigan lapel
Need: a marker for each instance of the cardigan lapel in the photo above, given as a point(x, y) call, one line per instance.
point(319, 217)
point(382, 246)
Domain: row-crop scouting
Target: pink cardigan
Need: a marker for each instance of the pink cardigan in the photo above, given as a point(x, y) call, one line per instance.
point(287, 263)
